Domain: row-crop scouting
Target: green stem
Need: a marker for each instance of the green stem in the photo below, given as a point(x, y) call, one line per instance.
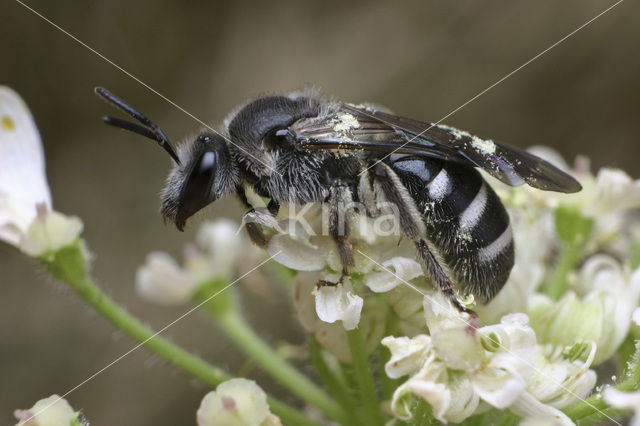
point(569, 257)
point(68, 266)
point(508, 419)
point(365, 378)
point(336, 387)
point(387, 384)
point(243, 335)
point(573, 229)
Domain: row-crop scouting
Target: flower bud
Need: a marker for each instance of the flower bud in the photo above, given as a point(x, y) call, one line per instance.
point(51, 411)
point(236, 402)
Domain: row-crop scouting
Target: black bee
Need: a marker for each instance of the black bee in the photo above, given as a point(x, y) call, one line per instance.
point(302, 148)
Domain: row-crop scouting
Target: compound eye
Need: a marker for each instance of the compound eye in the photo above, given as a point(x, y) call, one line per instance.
point(196, 193)
point(204, 139)
point(277, 137)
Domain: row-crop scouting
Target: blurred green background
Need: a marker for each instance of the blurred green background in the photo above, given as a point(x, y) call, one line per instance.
point(421, 59)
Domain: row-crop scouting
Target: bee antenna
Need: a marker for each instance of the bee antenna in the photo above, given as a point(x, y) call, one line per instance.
point(151, 131)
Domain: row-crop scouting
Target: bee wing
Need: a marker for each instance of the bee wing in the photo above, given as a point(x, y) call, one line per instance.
point(354, 127)
point(22, 173)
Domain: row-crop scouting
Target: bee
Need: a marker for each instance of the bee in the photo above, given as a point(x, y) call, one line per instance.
point(303, 148)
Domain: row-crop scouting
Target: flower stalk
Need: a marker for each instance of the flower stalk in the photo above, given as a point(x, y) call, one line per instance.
point(573, 229)
point(69, 265)
point(234, 325)
point(334, 383)
point(364, 377)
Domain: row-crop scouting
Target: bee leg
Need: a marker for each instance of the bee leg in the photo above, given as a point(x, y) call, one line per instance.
point(339, 203)
point(252, 220)
point(412, 225)
point(273, 207)
point(339, 215)
point(439, 276)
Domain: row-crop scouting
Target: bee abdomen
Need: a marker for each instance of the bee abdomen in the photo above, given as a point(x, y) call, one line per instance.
point(465, 219)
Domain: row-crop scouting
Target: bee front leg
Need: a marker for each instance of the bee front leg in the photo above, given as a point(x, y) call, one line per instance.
point(254, 219)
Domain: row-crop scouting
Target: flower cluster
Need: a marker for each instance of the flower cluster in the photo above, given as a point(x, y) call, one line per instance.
point(215, 255)
point(457, 367)
point(566, 307)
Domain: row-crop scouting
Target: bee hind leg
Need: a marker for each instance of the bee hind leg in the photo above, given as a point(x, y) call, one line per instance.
point(412, 224)
point(439, 276)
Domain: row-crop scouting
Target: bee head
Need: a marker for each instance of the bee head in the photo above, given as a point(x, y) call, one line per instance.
point(206, 172)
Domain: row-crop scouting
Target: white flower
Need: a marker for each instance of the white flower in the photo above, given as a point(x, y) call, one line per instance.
point(624, 400)
point(407, 354)
point(560, 380)
point(51, 411)
point(614, 191)
point(50, 231)
point(338, 302)
point(295, 249)
point(299, 243)
point(407, 305)
point(599, 310)
point(223, 243)
point(332, 336)
point(458, 366)
point(236, 402)
point(161, 280)
point(26, 219)
point(23, 183)
point(635, 316)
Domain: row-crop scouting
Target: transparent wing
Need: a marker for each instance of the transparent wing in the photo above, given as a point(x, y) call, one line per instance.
point(354, 127)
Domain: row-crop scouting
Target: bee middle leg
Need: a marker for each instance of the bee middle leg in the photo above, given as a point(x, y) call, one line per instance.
point(340, 198)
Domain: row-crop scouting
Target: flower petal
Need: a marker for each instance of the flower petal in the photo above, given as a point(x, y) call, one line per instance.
point(395, 271)
point(50, 231)
point(621, 399)
point(337, 302)
point(407, 354)
point(526, 406)
point(294, 250)
point(23, 182)
point(499, 386)
point(223, 242)
point(615, 191)
point(636, 316)
point(453, 334)
point(431, 385)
